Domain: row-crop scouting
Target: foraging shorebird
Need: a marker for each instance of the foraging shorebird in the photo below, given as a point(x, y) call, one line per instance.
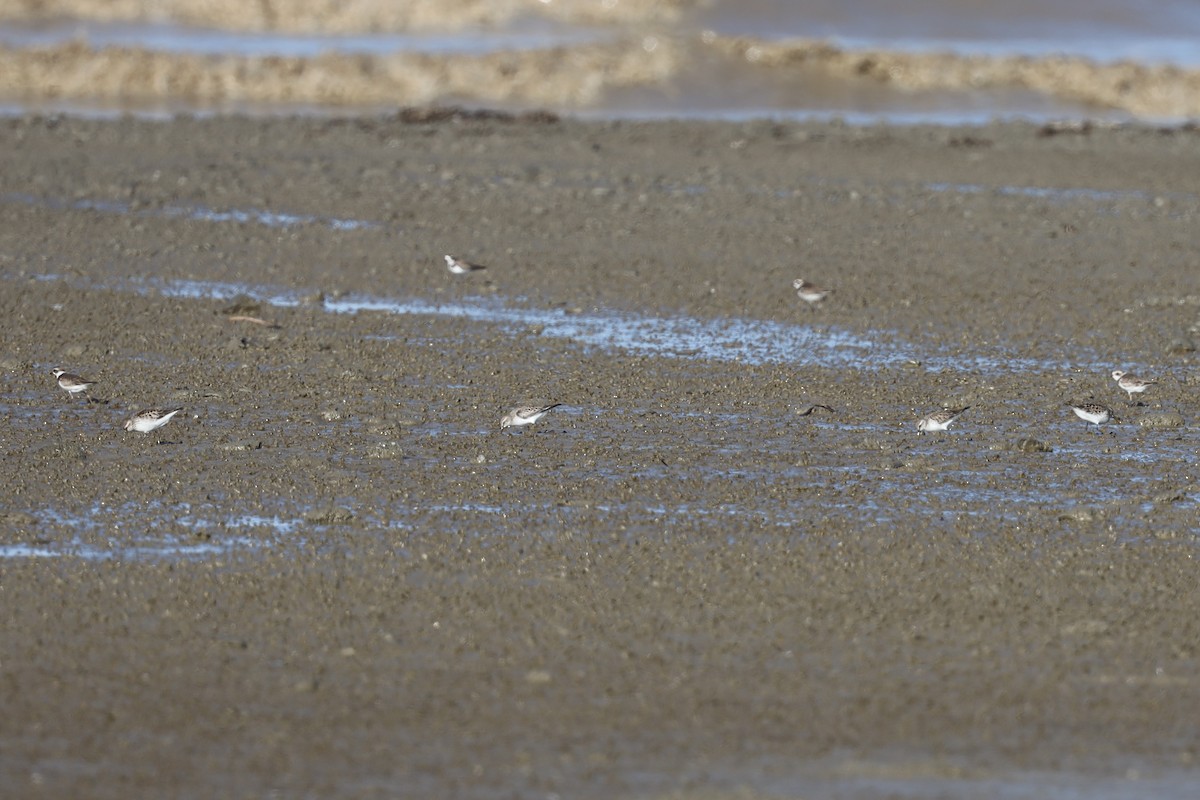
point(1093, 413)
point(150, 419)
point(525, 415)
point(939, 420)
point(813, 407)
point(458, 266)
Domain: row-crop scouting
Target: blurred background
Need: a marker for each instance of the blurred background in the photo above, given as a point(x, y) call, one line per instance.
point(948, 61)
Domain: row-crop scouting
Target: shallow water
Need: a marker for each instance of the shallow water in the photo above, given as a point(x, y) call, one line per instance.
point(1105, 31)
point(532, 34)
point(259, 216)
point(852, 484)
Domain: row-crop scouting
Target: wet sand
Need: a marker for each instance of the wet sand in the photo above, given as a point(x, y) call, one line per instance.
point(335, 576)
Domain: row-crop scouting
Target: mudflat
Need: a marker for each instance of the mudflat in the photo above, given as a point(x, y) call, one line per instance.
point(726, 565)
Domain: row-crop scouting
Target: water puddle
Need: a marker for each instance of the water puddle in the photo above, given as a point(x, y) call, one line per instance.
point(1063, 195)
point(280, 219)
point(731, 339)
point(150, 550)
point(875, 782)
point(276, 524)
point(258, 216)
point(100, 533)
point(740, 340)
point(950, 486)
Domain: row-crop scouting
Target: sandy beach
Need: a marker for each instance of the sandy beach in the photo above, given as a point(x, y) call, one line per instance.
point(333, 575)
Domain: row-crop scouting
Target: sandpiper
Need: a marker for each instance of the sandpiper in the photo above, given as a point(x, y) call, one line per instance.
point(809, 292)
point(150, 419)
point(1092, 413)
point(1131, 383)
point(458, 266)
point(72, 384)
point(525, 415)
point(939, 420)
point(813, 407)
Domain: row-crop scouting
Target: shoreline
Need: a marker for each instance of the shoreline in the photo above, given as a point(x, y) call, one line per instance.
point(621, 74)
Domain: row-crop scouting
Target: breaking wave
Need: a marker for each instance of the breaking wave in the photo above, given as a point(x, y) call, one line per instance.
point(568, 56)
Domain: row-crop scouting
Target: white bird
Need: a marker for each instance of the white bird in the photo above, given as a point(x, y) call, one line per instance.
point(72, 384)
point(939, 420)
point(150, 419)
point(1131, 383)
point(809, 292)
point(458, 266)
point(1092, 413)
point(525, 415)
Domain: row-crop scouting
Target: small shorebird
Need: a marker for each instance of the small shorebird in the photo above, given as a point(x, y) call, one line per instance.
point(150, 419)
point(1131, 383)
point(809, 292)
point(813, 407)
point(939, 420)
point(525, 415)
point(458, 266)
point(72, 384)
point(1092, 413)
